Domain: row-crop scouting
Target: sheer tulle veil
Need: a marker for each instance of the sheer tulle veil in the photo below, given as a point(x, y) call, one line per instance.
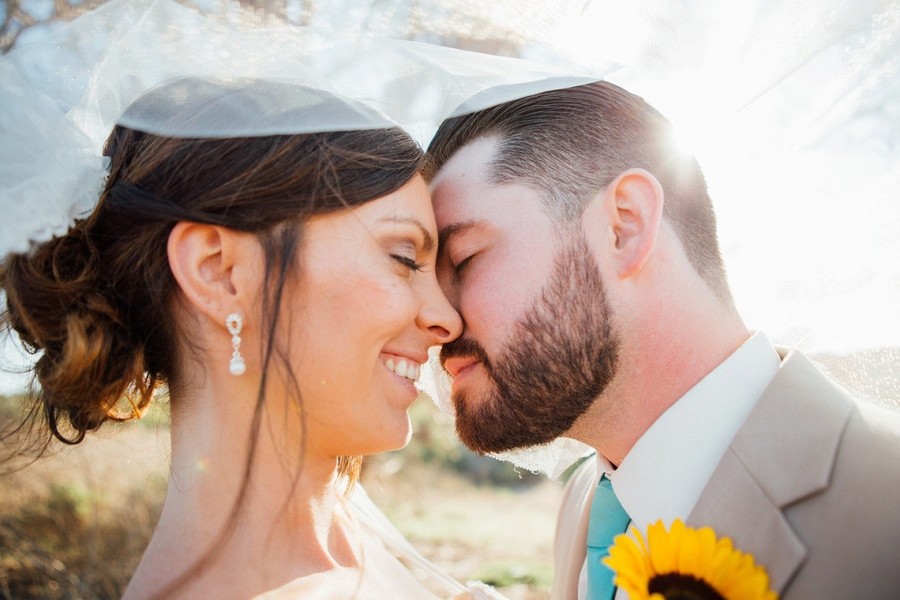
point(792, 108)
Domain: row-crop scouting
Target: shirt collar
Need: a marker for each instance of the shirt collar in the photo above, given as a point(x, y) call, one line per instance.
point(665, 472)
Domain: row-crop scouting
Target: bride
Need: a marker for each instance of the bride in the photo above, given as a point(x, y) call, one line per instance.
point(282, 288)
point(256, 245)
point(260, 250)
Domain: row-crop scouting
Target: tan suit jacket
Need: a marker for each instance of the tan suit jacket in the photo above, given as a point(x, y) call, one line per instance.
point(810, 486)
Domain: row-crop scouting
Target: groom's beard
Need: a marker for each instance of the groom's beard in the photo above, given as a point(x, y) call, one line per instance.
point(560, 358)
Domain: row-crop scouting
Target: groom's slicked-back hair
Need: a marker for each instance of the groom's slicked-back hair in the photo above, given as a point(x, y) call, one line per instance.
point(571, 143)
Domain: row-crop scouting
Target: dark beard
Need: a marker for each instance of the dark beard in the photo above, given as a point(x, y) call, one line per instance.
point(562, 355)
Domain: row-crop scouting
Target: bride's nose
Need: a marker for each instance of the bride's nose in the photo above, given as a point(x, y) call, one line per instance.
point(438, 317)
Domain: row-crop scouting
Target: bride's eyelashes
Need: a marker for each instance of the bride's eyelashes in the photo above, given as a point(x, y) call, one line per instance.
point(406, 253)
point(414, 249)
point(408, 262)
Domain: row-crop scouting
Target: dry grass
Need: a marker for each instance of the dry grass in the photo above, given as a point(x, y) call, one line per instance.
point(73, 525)
point(500, 535)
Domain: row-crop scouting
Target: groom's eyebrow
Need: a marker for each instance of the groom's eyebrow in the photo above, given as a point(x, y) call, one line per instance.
point(453, 230)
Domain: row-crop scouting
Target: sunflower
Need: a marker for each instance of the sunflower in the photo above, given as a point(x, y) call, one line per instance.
point(685, 564)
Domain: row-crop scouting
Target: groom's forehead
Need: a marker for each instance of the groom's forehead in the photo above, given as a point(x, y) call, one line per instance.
point(469, 165)
point(464, 191)
point(465, 186)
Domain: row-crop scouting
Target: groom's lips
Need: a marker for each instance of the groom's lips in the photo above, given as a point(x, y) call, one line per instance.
point(459, 365)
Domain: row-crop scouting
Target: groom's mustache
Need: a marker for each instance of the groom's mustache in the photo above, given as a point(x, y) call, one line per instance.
point(464, 347)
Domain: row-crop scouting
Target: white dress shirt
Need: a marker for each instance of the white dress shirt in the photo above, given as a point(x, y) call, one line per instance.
point(664, 473)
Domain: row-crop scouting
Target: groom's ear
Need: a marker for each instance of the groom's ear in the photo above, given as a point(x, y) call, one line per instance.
point(630, 208)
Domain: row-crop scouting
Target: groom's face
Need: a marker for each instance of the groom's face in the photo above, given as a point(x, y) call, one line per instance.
point(538, 345)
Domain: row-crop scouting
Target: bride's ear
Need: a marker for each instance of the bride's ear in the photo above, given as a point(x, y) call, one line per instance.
point(217, 269)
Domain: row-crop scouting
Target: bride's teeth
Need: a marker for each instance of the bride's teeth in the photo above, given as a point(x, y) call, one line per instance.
point(403, 368)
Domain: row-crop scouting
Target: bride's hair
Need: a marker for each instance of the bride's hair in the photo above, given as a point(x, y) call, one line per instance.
point(96, 305)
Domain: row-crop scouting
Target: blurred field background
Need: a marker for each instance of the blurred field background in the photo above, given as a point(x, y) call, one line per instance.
point(73, 525)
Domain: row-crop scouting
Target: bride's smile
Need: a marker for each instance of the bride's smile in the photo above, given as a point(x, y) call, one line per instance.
point(363, 312)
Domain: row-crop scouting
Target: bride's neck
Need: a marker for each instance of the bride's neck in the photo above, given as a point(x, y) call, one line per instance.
point(279, 514)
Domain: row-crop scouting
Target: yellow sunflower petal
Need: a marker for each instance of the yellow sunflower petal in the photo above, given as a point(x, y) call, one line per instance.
point(688, 552)
point(707, 546)
point(723, 565)
point(748, 581)
point(663, 547)
point(630, 562)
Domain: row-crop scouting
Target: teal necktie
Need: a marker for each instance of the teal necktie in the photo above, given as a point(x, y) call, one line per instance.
point(608, 519)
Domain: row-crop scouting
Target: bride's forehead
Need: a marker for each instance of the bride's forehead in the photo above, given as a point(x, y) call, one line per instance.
point(412, 200)
point(408, 206)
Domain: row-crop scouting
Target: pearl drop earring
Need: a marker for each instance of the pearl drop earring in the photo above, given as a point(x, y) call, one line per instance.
point(235, 323)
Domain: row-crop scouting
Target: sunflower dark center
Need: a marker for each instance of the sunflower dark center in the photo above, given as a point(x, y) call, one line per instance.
point(680, 586)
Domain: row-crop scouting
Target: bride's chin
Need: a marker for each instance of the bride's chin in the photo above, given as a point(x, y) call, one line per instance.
point(404, 436)
point(397, 439)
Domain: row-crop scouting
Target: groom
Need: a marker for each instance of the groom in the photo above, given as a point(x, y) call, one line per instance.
point(580, 249)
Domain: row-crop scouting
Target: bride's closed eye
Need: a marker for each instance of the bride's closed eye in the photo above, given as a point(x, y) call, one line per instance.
point(407, 252)
point(408, 243)
point(408, 262)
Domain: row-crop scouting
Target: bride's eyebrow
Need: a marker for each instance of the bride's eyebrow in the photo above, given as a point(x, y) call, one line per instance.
point(428, 243)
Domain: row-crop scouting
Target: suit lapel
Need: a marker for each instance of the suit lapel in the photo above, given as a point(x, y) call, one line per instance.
point(783, 453)
point(734, 505)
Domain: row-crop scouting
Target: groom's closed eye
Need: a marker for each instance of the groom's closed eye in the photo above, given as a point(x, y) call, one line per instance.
point(458, 266)
point(459, 243)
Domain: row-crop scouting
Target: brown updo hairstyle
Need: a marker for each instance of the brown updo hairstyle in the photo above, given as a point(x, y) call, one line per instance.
point(96, 305)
